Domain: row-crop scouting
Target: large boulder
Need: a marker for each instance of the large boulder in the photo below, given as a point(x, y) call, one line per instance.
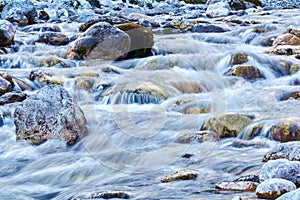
point(288, 150)
point(141, 39)
point(22, 12)
point(7, 33)
point(227, 125)
point(286, 39)
point(100, 41)
point(245, 71)
point(48, 114)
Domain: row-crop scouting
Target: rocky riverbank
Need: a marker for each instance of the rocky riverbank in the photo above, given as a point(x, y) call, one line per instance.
point(139, 99)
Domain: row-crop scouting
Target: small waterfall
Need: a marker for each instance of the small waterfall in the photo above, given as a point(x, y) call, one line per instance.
point(130, 98)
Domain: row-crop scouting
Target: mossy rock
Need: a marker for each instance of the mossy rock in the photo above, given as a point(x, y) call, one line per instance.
point(245, 71)
point(227, 125)
point(84, 82)
point(141, 39)
point(238, 5)
point(239, 58)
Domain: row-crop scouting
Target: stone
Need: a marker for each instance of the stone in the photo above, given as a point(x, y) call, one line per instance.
point(227, 125)
point(100, 41)
point(110, 195)
point(179, 175)
point(5, 85)
point(255, 2)
point(293, 31)
point(84, 82)
point(286, 131)
point(290, 195)
point(219, 9)
point(141, 40)
point(286, 39)
point(51, 113)
point(239, 58)
point(281, 168)
point(195, 1)
point(22, 11)
point(199, 136)
point(274, 187)
point(245, 71)
point(7, 33)
point(288, 150)
point(237, 4)
point(43, 78)
point(293, 95)
point(53, 38)
point(294, 68)
point(208, 28)
point(237, 186)
point(83, 27)
point(285, 50)
point(41, 28)
point(12, 97)
point(95, 3)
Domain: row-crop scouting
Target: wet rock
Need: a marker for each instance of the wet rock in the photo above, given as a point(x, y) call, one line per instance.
point(83, 27)
point(288, 150)
point(12, 97)
point(294, 31)
point(219, 9)
point(41, 28)
point(285, 50)
point(245, 71)
point(6, 85)
point(195, 1)
point(290, 195)
point(237, 5)
point(50, 113)
point(251, 178)
point(23, 12)
point(141, 40)
point(7, 33)
point(294, 68)
point(196, 110)
point(239, 58)
point(273, 188)
point(286, 39)
point(227, 125)
point(84, 82)
point(43, 15)
point(51, 61)
point(43, 78)
point(95, 3)
point(208, 28)
point(293, 95)
point(101, 41)
point(110, 195)
point(255, 2)
point(237, 186)
point(200, 136)
point(179, 175)
point(281, 168)
point(53, 38)
point(286, 131)
point(188, 87)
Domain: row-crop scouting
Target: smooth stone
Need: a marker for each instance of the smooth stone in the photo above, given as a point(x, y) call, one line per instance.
point(293, 195)
point(239, 58)
point(237, 186)
point(12, 97)
point(53, 38)
point(245, 71)
point(208, 28)
point(184, 174)
point(219, 9)
point(199, 136)
point(286, 39)
point(7, 33)
point(288, 150)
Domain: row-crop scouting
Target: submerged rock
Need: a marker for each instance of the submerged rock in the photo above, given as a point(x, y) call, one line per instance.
point(200, 136)
point(245, 71)
point(291, 195)
point(281, 168)
point(179, 175)
point(227, 125)
point(53, 38)
point(7, 33)
point(208, 28)
point(5, 85)
point(237, 186)
point(273, 188)
point(100, 41)
point(293, 95)
point(288, 150)
point(141, 40)
point(50, 113)
point(12, 97)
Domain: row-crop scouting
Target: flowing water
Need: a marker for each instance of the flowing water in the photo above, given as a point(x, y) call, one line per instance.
point(131, 134)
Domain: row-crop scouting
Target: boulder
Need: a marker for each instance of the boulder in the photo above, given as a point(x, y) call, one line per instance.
point(7, 33)
point(245, 71)
point(219, 9)
point(290, 195)
point(288, 150)
point(41, 28)
point(286, 39)
point(273, 188)
point(286, 131)
point(237, 4)
point(53, 38)
point(293, 31)
point(237, 186)
point(100, 41)
point(200, 136)
point(281, 168)
point(285, 50)
point(22, 12)
point(183, 174)
point(141, 39)
point(227, 125)
point(50, 113)
point(239, 58)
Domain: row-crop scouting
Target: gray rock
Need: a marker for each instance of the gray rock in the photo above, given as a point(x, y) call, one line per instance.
point(101, 41)
point(23, 12)
point(208, 28)
point(288, 150)
point(7, 33)
point(273, 188)
point(12, 97)
point(291, 195)
point(219, 9)
point(281, 168)
point(50, 113)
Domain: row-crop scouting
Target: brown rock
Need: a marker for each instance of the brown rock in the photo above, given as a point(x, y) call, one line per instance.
point(237, 186)
point(200, 136)
point(183, 174)
point(239, 58)
point(53, 38)
point(245, 71)
point(286, 131)
point(286, 39)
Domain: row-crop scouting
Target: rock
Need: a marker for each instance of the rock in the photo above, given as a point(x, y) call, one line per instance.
point(219, 9)
point(196, 110)
point(84, 82)
point(255, 2)
point(290, 195)
point(141, 39)
point(294, 31)
point(50, 113)
point(43, 15)
point(12, 97)
point(7, 33)
point(200, 136)
point(286, 131)
point(239, 58)
point(179, 175)
point(288, 150)
point(195, 1)
point(110, 195)
point(281, 168)
point(208, 28)
point(83, 27)
point(285, 50)
point(22, 11)
point(6, 84)
point(53, 38)
point(245, 71)
point(227, 125)
point(43, 78)
point(273, 188)
point(293, 95)
point(188, 87)
point(251, 178)
point(286, 39)
point(101, 41)
point(237, 4)
point(294, 68)
point(237, 186)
